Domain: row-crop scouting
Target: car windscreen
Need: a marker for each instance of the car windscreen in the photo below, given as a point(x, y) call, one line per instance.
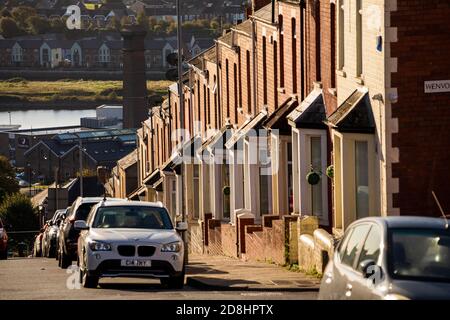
point(139, 217)
point(83, 211)
point(420, 254)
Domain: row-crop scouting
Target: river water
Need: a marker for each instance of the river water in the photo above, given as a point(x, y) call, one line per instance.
point(45, 118)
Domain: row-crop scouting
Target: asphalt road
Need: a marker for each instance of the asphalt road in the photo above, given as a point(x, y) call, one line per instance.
point(40, 278)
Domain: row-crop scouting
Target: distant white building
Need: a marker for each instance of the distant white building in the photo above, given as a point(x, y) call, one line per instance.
point(109, 111)
point(107, 116)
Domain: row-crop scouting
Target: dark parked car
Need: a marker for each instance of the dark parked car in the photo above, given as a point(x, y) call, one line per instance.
point(392, 258)
point(59, 222)
point(68, 235)
point(49, 237)
point(3, 242)
point(37, 249)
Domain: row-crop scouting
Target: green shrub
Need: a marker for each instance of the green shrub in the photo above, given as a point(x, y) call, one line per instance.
point(17, 210)
point(16, 80)
point(112, 96)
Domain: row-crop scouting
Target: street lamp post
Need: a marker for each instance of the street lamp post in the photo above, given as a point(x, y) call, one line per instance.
point(81, 165)
point(181, 96)
point(29, 177)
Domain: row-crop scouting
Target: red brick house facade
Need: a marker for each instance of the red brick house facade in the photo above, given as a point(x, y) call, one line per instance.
point(319, 90)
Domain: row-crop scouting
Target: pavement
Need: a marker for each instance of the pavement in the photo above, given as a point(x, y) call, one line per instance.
point(40, 278)
point(227, 274)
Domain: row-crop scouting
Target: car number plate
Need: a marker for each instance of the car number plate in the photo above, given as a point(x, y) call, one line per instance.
point(135, 263)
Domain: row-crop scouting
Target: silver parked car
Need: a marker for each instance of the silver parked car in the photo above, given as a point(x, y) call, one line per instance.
point(130, 238)
point(392, 258)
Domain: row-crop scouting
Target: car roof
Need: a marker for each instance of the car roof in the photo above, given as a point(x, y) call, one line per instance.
point(419, 222)
point(96, 199)
point(122, 202)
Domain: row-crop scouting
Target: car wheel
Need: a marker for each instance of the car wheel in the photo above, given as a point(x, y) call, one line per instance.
point(51, 252)
point(65, 260)
point(87, 280)
point(59, 258)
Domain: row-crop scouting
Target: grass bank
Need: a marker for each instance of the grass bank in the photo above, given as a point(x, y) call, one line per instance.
point(66, 92)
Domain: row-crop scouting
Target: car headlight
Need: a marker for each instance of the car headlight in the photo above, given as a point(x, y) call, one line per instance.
point(395, 296)
point(171, 247)
point(99, 246)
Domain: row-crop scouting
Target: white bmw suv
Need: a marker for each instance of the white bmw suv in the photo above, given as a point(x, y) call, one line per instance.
point(130, 238)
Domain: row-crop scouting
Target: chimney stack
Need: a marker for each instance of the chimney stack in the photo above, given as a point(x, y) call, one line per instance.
point(135, 108)
point(258, 4)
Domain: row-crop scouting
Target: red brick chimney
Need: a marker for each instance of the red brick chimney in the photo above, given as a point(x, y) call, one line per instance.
point(134, 80)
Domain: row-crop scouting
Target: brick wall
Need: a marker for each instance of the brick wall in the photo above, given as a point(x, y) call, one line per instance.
point(214, 237)
point(422, 49)
point(195, 238)
point(266, 243)
point(265, 66)
point(228, 235)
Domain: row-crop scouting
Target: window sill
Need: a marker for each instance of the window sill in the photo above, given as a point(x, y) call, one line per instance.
point(341, 73)
point(332, 91)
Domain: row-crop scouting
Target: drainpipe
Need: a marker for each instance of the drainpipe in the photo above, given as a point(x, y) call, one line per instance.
point(218, 89)
point(190, 103)
point(302, 51)
point(255, 83)
point(273, 11)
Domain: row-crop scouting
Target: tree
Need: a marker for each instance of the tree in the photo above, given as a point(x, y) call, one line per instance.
point(171, 29)
point(38, 25)
point(17, 210)
point(57, 25)
point(113, 24)
point(5, 13)
point(125, 21)
point(8, 182)
point(143, 21)
point(21, 14)
point(9, 28)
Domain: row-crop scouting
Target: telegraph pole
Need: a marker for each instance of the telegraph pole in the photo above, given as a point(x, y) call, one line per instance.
point(181, 96)
point(81, 165)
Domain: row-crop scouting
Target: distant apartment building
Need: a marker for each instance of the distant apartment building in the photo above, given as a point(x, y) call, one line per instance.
point(94, 53)
point(59, 155)
point(15, 142)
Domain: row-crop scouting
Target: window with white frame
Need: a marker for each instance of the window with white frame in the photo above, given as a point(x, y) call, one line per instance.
point(173, 197)
point(17, 54)
point(309, 153)
point(104, 54)
point(316, 166)
point(196, 178)
point(264, 168)
point(225, 193)
point(290, 181)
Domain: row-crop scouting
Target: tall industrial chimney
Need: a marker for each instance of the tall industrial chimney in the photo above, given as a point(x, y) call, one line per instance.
point(135, 108)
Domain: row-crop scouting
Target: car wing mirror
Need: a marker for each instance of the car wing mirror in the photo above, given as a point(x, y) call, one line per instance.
point(182, 226)
point(369, 268)
point(81, 225)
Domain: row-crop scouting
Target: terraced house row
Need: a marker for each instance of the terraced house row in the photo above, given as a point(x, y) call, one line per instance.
point(348, 104)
